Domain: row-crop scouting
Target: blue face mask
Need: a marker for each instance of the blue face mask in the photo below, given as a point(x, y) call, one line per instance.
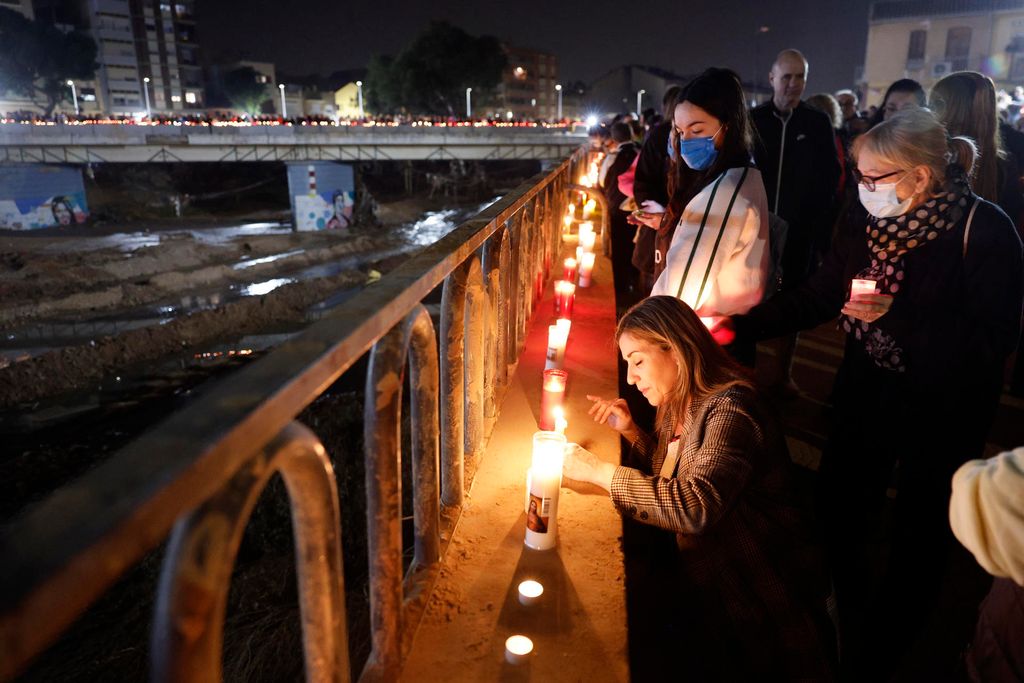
point(699, 153)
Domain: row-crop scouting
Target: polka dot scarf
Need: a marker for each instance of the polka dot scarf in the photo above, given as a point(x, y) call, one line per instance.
point(888, 240)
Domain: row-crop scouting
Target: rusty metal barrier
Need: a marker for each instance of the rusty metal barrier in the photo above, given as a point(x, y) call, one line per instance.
point(193, 593)
point(197, 475)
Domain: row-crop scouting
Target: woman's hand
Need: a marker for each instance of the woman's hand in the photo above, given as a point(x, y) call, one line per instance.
point(651, 220)
point(868, 307)
point(582, 465)
point(614, 413)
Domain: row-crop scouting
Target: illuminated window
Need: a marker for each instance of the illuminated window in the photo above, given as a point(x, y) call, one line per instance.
point(190, 97)
point(175, 98)
point(519, 72)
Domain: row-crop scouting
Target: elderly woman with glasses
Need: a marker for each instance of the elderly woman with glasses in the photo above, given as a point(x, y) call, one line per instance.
point(927, 281)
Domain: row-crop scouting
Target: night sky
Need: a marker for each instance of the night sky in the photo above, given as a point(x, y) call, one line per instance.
point(589, 38)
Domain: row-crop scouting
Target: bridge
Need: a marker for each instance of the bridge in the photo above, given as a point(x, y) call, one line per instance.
point(85, 144)
point(462, 327)
point(443, 577)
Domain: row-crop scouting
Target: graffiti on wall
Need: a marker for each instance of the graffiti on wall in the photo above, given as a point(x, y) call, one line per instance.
point(323, 195)
point(38, 196)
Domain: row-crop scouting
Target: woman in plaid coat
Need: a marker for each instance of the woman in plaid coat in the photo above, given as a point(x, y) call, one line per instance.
point(750, 582)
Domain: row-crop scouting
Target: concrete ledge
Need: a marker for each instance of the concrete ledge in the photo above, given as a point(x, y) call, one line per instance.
point(579, 625)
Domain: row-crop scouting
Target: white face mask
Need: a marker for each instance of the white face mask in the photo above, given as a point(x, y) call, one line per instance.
point(882, 202)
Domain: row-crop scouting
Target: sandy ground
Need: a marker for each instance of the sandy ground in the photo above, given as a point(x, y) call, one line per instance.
point(578, 626)
point(192, 282)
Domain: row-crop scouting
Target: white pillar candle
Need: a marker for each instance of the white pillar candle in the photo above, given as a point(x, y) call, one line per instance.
point(561, 424)
point(544, 480)
point(587, 241)
point(567, 324)
point(530, 592)
point(586, 268)
point(860, 286)
point(517, 649)
point(556, 347)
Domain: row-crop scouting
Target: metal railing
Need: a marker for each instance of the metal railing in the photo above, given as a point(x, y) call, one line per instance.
point(197, 476)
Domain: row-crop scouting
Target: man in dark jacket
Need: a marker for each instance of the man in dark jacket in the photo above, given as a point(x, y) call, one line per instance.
point(796, 154)
point(622, 150)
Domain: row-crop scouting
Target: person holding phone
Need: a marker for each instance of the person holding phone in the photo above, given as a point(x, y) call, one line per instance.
point(714, 239)
point(935, 315)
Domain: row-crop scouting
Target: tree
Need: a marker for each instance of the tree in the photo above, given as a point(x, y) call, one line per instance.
point(244, 90)
point(38, 59)
point(430, 76)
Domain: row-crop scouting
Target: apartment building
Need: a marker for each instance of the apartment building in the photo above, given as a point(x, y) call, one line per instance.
point(927, 39)
point(527, 88)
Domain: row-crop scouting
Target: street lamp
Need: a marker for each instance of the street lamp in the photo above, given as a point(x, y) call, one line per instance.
point(145, 92)
point(284, 105)
point(469, 104)
point(639, 100)
point(74, 95)
point(359, 92)
point(558, 88)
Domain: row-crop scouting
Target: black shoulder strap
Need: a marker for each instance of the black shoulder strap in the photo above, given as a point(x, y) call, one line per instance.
point(700, 231)
point(721, 231)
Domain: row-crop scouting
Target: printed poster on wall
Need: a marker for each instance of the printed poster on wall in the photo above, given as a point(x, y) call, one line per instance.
point(323, 195)
point(41, 196)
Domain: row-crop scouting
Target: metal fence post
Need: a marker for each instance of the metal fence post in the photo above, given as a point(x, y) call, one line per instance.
point(188, 626)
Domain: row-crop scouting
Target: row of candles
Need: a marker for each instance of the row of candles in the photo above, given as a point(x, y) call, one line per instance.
point(544, 478)
point(589, 179)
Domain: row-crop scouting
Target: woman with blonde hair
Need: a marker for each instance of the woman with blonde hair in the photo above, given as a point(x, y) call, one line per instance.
point(934, 315)
point(965, 102)
point(716, 474)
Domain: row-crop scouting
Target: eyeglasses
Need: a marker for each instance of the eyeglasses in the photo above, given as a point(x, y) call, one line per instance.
point(868, 182)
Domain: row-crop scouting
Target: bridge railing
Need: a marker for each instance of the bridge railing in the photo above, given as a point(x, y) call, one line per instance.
point(196, 477)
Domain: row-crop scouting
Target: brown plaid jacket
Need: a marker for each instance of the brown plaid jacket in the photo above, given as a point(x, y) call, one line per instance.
point(746, 556)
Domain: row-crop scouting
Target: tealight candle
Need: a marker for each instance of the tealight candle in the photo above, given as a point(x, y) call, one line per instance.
point(517, 649)
point(591, 205)
point(557, 336)
point(579, 254)
point(860, 286)
point(530, 592)
point(566, 223)
point(586, 268)
point(543, 482)
point(570, 269)
point(552, 395)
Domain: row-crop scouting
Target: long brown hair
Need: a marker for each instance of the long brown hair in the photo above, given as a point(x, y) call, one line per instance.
point(705, 368)
point(965, 102)
point(719, 93)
